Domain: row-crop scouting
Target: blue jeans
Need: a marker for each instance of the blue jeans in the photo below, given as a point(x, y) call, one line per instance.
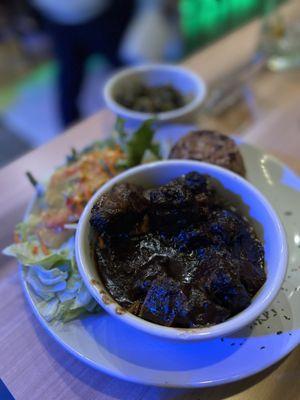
point(73, 44)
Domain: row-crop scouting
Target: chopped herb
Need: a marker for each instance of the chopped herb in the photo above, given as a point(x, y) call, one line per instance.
point(136, 144)
point(122, 135)
point(274, 312)
point(73, 157)
point(106, 168)
point(38, 187)
point(279, 332)
point(141, 97)
point(32, 179)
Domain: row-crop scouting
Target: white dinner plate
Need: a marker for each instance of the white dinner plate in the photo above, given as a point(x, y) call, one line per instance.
point(111, 346)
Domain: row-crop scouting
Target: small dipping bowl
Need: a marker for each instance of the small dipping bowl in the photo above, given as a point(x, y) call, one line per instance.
point(190, 85)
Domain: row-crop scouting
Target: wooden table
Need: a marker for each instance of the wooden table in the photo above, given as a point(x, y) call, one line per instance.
point(32, 364)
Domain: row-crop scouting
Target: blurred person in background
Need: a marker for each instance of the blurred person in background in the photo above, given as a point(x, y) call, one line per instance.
point(154, 33)
point(80, 28)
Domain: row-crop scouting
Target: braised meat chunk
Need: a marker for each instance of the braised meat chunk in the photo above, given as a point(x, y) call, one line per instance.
point(200, 310)
point(224, 286)
point(176, 255)
point(119, 210)
point(163, 301)
point(179, 202)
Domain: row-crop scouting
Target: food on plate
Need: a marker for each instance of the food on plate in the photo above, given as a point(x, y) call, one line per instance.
point(177, 255)
point(72, 185)
point(44, 244)
point(212, 147)
point(70, 188)
point(141, 97)
point(53, 277)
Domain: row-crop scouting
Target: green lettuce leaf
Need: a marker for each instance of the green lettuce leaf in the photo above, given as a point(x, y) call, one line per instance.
point(31, 254)
point(138, 143)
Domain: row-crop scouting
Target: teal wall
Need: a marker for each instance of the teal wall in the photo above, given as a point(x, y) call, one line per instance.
point(205, 20)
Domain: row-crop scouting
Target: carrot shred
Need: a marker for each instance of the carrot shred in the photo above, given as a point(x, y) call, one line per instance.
point(35, 249)
point(16, 237)
point(44, 248)
point(101, 243)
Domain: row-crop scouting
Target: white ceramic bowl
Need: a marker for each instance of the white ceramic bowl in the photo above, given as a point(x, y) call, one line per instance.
point(242, 194)
point(184, 80)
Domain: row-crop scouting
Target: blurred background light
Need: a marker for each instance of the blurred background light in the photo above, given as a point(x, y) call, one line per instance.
point(29, 114)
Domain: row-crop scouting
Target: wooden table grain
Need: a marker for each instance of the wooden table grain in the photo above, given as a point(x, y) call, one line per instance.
point(32, 364)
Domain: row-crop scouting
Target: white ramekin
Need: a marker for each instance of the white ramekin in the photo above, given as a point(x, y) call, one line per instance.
point(186, 81)
point(241, 193)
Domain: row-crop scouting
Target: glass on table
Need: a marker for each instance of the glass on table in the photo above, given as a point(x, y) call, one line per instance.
point(280, 39)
